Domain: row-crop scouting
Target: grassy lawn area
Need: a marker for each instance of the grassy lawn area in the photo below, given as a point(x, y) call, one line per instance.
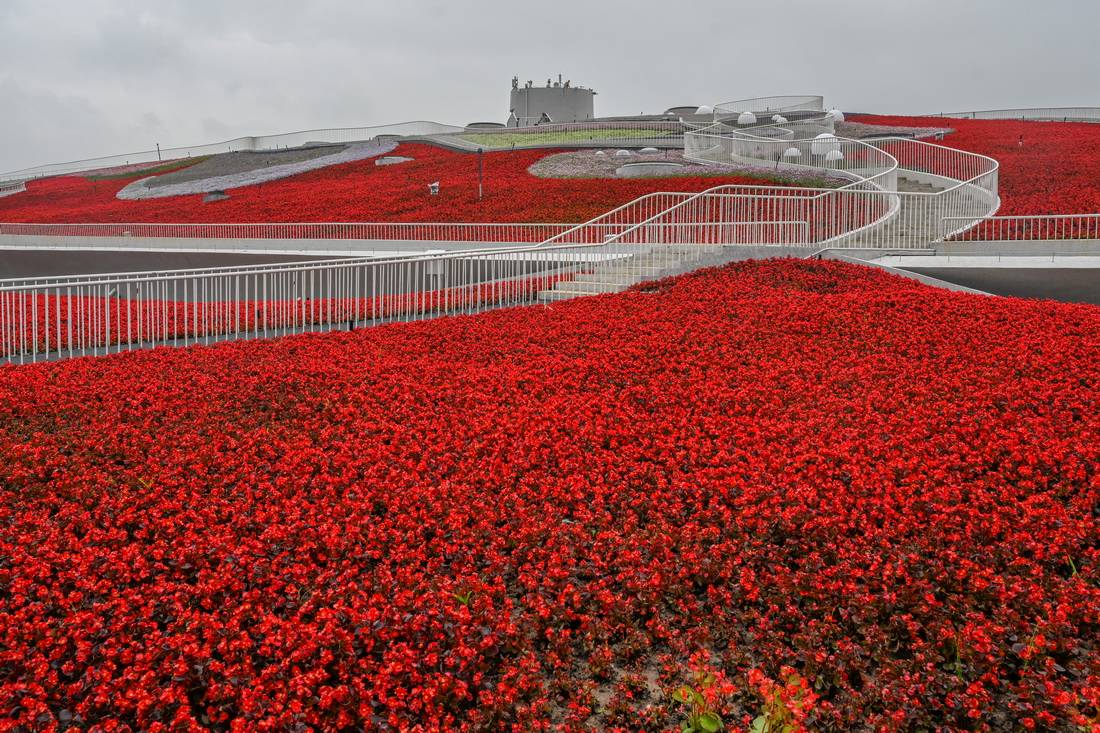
point(563, 137)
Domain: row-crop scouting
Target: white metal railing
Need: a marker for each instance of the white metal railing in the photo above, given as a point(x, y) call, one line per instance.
point(779, 104)
point(259, 142)
point(1045, 227)
point(377, 231)
point(70, 316)
point(1038, 114)
point(7, 189)
point(770, 147)
point(59, 317)
point(869, 211)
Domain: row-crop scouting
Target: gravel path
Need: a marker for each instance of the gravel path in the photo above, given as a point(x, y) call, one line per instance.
point(586, 164)
point(859, 130)
point(228, 164)
point(233, 170)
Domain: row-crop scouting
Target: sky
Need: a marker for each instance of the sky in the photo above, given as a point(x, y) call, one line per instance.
point(84, 78)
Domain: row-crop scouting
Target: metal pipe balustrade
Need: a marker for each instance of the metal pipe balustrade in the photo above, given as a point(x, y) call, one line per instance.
point(968, 181)
point(779, 104)
point(52, 318)
point(397, 231)
point(1037, 114)
point(1041, 227)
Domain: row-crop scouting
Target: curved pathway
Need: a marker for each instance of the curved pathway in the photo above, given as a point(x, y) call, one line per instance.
point(140, 189)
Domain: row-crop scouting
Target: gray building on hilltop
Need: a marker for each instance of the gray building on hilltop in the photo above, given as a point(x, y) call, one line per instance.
point(556, 102)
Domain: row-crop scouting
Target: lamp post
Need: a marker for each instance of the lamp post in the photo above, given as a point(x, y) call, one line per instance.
point(480, 174)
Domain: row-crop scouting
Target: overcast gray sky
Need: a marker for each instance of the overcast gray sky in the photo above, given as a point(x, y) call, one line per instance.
point(82, 78)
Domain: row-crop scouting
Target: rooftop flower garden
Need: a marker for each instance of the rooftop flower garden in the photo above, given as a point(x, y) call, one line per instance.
point(774, 496)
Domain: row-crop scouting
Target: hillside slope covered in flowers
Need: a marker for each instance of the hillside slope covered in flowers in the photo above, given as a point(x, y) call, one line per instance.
point(362, 191)
point(878, 496)
point(1046, 167)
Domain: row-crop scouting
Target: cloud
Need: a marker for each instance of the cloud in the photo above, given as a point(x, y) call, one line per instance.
point(109, 76)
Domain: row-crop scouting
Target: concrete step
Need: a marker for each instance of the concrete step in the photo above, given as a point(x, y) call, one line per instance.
point(550, 296)
point(618, 271)
point(590, 287)
point(906, 185)
point(605, 277)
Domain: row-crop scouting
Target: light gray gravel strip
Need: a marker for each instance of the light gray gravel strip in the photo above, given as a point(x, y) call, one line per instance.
point(140, 190)
point(587, 164)
point(860, 130)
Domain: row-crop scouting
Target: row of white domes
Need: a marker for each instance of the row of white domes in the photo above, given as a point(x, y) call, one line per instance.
point(748, 118)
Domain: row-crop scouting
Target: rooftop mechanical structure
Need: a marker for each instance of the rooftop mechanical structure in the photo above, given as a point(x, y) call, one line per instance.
point(558, 101)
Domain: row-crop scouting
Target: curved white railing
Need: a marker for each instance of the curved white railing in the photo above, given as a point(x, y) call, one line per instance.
point(778, 104)
point(769, 147)
point(963, 186)
point(1038, 114)
point(58, 317)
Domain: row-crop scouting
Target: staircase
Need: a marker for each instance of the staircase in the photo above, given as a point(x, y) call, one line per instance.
point(649, 262)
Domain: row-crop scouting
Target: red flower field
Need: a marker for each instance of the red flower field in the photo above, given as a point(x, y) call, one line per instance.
point(362, 191)
point(1055, 171)
point(808, 490)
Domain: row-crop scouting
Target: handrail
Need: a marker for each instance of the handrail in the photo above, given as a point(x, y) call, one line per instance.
point(785, 103)
point(1045, 227)
point(969, 180)
point(767, 150)
point(58, 317)
point(1038, 114)
point(396, 231)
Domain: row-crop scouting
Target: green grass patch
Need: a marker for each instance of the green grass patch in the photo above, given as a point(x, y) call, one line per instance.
point(564, 137)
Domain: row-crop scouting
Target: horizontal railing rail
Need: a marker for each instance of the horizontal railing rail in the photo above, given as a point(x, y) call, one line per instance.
point(48, 318)
point(869, 211)
point(396, 231)
point(1038, 114)
point(777, 104)
point(860, 162)
point(1045, 227)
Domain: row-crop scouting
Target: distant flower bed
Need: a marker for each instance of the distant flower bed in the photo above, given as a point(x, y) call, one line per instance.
point(802, 493)
point(362, 191)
